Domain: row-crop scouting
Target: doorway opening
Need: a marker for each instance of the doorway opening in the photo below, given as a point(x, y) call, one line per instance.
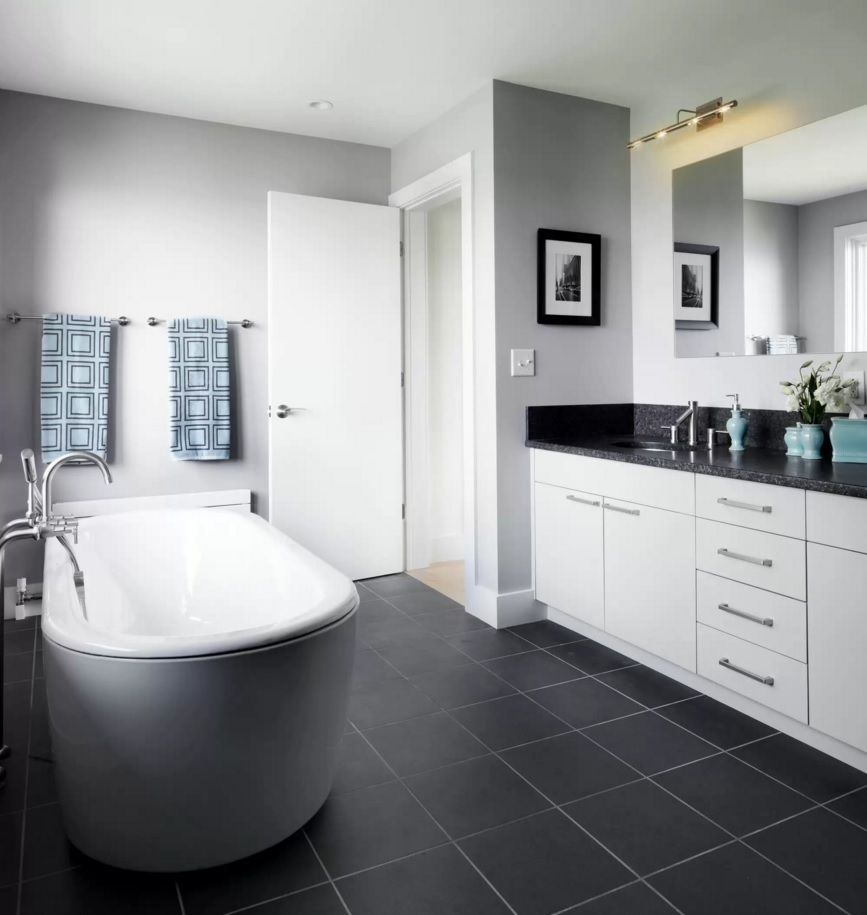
point(438, 365)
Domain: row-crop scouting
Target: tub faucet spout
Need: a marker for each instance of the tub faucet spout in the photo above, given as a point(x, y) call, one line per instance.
point(77, 457)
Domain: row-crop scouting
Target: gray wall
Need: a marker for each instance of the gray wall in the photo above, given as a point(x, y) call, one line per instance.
point(560, 162)
point(707, 209)
point(109, 211)
point(816, 222)
point(770, 268)
point(469, 128)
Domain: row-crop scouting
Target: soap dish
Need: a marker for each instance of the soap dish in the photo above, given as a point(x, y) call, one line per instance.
point(849, 440)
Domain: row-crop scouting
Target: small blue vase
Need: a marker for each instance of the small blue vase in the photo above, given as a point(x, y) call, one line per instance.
point(792, 438)
point(812, 435)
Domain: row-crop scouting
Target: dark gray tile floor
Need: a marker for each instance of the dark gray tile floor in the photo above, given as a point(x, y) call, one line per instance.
point(527, 771)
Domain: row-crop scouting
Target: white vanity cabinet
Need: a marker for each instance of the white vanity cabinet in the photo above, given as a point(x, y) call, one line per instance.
point(615, 547)
point(759, 588)
point(837, 619)
point(650, 579)
point(569, 556)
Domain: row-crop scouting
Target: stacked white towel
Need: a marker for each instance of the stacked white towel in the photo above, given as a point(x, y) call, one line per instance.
point(784, 344)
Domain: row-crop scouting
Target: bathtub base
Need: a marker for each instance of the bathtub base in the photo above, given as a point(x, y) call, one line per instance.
point(179, 764)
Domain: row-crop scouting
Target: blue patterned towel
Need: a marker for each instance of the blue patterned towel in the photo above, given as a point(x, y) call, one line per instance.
point(76, 351)
point(199, 383)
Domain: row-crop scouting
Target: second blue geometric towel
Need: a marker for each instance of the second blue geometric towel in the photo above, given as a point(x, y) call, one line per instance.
point(199, 389)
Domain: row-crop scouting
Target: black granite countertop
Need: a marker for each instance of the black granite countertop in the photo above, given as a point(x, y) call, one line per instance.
point(760, 465)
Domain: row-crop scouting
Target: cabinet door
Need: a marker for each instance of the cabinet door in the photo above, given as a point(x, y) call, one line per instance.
point(837, 642)
point(569, 570)
point(650, 579)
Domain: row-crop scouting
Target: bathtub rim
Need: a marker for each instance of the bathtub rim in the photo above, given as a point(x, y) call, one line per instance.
point(61, 621)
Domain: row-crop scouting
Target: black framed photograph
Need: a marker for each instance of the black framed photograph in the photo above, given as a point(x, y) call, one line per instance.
point(569, 277)
point(696, 286)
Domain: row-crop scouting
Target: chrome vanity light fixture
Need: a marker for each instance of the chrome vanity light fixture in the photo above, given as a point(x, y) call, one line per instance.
point(703, 116)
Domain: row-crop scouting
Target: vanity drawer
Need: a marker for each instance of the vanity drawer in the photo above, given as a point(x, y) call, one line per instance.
point(656, 487)
point(761, 617)
point(837, 520)
point(762, 675)
point(761, 506)
point(753, 557)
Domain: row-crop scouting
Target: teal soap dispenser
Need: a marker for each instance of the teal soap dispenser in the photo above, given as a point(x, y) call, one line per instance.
point(737, 425)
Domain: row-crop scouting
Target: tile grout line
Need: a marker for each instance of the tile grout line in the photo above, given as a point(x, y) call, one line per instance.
point(324, 869)
point(652, 710)
point(270, 899)
point(451, 841)
point(179, 898)
point(496, 753)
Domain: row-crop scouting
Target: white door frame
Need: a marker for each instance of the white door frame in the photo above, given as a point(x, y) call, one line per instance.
point(453, 180)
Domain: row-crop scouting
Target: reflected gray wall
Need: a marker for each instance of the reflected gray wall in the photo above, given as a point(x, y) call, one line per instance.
point(109, 211)
point(816, 223)
point(707, 208)
point(770, 268)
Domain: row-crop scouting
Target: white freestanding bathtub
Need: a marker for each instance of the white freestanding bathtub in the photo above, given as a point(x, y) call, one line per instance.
point(197, 709)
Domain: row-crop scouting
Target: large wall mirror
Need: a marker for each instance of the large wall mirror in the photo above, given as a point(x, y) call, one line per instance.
point(770, 245)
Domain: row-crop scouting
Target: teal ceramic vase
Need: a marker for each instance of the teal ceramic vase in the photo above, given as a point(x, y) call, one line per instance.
point(849, 440)
point(812, 435)
point(792, 438)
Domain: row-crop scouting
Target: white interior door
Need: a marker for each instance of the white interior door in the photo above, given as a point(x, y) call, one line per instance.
point(334, 304)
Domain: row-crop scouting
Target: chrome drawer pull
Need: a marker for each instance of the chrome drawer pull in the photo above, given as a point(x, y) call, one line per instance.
point(763, 620)
point(725, 662)
point(767, 563)
point(767, 509)
point(584, 501)
point(625, 511)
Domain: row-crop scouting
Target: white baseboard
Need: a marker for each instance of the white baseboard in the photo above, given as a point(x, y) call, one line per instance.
point(503, 610)
point(768, 716)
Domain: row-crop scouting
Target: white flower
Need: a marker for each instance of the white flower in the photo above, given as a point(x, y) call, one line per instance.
point(792, 403)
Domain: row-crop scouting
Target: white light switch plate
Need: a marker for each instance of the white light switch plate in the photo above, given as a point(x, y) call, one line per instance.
point(523, 362)
point(858, 396)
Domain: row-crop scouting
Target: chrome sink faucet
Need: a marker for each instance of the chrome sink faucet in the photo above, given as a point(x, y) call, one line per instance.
point(691, 414)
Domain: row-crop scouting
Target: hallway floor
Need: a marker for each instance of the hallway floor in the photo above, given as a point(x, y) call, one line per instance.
point(524, 771)
point(445, 577)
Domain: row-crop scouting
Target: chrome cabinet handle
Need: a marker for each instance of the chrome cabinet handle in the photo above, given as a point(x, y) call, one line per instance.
point(725, 662)
point(767, 509)
point(625, 511)
point(592, 502)
point(767, 563)
point(762, 620)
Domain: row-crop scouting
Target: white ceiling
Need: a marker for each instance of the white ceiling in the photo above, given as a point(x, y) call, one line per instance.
point(825, 159)
point(392, 66)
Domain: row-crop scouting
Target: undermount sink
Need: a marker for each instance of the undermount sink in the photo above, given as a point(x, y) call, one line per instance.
point(647, 445)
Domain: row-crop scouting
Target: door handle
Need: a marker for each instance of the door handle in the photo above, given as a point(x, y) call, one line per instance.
point(283, 410)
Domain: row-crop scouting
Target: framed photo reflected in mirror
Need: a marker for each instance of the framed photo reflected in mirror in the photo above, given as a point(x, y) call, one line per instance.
point(696, 286)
